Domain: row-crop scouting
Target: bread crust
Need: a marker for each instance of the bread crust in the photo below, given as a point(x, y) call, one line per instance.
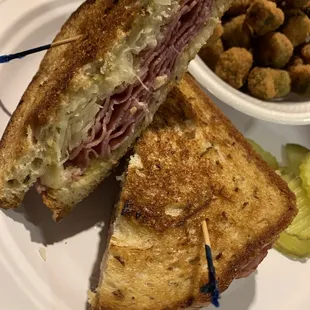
point(60, 81)
point(163, 249)
point(40, 105)
point(61, 64)
point(168, 116)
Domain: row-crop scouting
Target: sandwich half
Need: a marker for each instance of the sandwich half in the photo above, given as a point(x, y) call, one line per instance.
point(92, 98)
point(191, 164)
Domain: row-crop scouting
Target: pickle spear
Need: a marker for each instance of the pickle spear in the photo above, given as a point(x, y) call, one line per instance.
point(295, 240)
point(305, 174)
point(292, 246)
point(300, 226)
point(266, 156)
point(295, 155)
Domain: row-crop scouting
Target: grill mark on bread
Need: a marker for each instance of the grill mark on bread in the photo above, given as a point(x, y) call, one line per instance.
point(245, 204)
point(117, 21)
point(223, 215)
point(91, 26)
point(119, 294)
point(219, 256)
point(120, 259)
point(92, 45)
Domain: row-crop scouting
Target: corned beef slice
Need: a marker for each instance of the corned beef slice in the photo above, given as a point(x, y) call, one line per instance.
point(129, 103)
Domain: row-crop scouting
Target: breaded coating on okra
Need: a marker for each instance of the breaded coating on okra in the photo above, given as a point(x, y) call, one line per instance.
point(263, 16)
point(267, 83)
point(305, 53)
point(236, 33)
point(217, 33)
point(289, 12)
point(210, 54)
point(297, 29)
point(299, 4)
point(295, 61)
point(234, 65)
point(274, 50)
point(238, 7)
point(300, 76)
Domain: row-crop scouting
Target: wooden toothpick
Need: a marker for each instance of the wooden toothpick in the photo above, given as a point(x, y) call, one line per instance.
point(19, 55)
point(212, 286)
point(206, 233)
point(66, 41)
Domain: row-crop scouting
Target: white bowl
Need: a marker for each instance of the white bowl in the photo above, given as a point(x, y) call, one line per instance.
point(295, 110)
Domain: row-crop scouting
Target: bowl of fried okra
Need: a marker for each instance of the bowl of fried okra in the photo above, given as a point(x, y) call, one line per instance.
point(258, 60)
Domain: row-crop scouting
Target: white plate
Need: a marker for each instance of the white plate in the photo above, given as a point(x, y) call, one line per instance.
point(73, 248)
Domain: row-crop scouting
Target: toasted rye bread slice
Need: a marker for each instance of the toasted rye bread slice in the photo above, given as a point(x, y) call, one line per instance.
point(30, 145)
point(191, 164)
point(23, 150)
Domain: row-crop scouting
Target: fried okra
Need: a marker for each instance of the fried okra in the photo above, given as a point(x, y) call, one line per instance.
point(300, 76)
point(299, 4)
point(274, 50)
point(263, 16)
point(295, 61)
point(234, 66)
point(236, 33)
point(289, 12)
point(267, 83)
point(297, 29)
point(238, 7)
point(210, 54)
point(276, 34)
point(305, 53)
point(217, 33)
point(306, 8)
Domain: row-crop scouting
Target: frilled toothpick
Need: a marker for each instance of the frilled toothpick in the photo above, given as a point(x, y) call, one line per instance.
point(19, 55)
point(212, 286)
